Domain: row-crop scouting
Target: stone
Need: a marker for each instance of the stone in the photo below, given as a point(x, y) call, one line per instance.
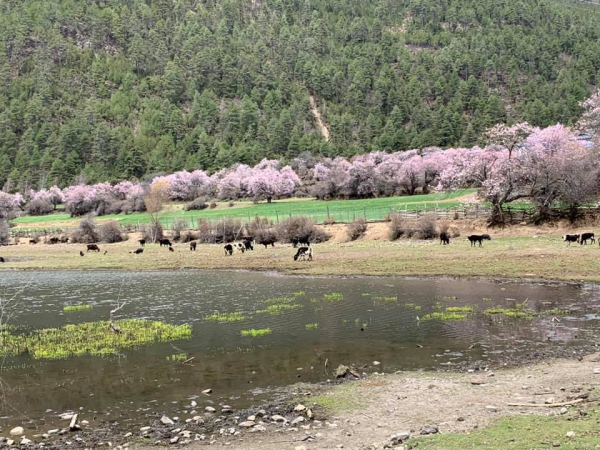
point(278, 418)
point(127, 435)
point(10, 442)
point(300, 447)
point(309, 413)
point(491, 408)
point(556, 444)
point(300, 408)
point(17, 431)
point(226, 411)
point(210, 409)
point(186, 434)
point(198, 419)
point(144, 429)
point(563, 410)
point(251, 418)
point(207, 391)
point(297, 420)
point(460, 419)
point(166, 421)
point(84, 422)
point(175, 419)
point(175, 440)
point(53, 431)
point(261, 413)
point(376, 363)
point(596, 371)
point(66, 416)
point(477, 382)
point(25, 441)
point(550, 400)
point(247, 424)
point(570, 434)
point(399, 438)
point(258, 428)
point(429, 429)
point(193, 404)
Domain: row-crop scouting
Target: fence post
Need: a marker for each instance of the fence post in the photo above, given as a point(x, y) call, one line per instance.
point(327, 210)
point(277, 215)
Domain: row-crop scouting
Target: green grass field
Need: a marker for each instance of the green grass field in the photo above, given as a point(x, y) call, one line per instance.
point(318, 210)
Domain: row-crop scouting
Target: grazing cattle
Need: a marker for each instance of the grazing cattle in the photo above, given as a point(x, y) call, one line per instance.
point(32, 241)
point(142, 242)
point(444, 238)
point(64, 239)
point(165, 242)
point(300, 241)
point(228, 250)
point(570, 238)
point(240, 247)
point(171, 249)
point(2, 259)
point(478, 238)
point(81, 253)
point(53, 240)
point(587, 237)
point(93, 247)
point(139, 251)
point(267, 242)
point(303, 253)
point(193, 246)
point(248, 245)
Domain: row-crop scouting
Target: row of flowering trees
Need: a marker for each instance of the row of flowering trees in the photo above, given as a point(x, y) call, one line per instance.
point(546, 166)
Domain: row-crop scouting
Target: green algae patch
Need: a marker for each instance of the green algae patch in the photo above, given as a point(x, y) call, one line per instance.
point(76, 308)
point(256, 332)
point(177, 357)
point(513, 313)
point(444, 316)
point(226, 317)
point(275, 310)
point(311, 326)
point(90, 338)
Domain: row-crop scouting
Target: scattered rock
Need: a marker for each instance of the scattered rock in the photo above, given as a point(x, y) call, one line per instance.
point(10, 442)
point(399, 438)
point(309, 414)
point(345, 372)
point(376, 363)
point(25, 441)
point(84, 422)
point(297, 420)
point(300, 408)
point(429, 429)
point(556, 444)
point(166, 421)
point(127, 435)
point(144, 429)
point(53, 431)
point(570, 434)
point(210, 409)
point(550, 400)
point(207, 391)
point(175, 440)
point(251, 418)
point(258, 428)
point(226, 410)
point(491, 408)
point(477, 382)
point(278, 418)
point(247, 424)
point(460, 419)
point(563, 410)
point(597, 371)
point(193, 404)
point(198, 419)
point(261, 413)
point(17, 431)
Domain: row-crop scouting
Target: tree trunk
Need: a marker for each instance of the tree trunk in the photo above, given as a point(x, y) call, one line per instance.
point(269, 199)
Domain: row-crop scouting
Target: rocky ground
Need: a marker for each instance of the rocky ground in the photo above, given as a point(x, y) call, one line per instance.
point(381, 411)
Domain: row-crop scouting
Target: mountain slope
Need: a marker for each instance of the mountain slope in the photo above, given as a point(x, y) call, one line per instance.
point(115, 89)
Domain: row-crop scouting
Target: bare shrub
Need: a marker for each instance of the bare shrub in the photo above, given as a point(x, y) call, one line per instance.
point(454, 231)
point(329, 220)
point(178, 226)
point(197, 205)
point(427, 227)
point(231, 204)
point(443, 227)
point(300, 227)
point(110, 232)
point(39, 207)
point(227, 230)
point(189, 236)
point(137, 204)
point(356, 229)
point(36, 238)
point(399, 227)
point(261, 229)
point(86, 232)
point(4, 233)
point(153, 231)
point(213, 205)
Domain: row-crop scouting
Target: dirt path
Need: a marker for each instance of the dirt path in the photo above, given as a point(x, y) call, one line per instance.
point(320, 123)
point(383, 405)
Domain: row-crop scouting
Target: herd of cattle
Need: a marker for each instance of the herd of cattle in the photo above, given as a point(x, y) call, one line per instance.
point(305, 252)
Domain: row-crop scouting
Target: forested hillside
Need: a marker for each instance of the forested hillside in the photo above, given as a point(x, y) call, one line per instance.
point(116, 89)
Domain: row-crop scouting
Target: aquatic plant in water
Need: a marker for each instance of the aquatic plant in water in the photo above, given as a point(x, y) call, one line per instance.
point(226, 317)
point(75, 308)
point(459, 309)
point(333, 297)
point(444, 316)
point(386, 299)
point(255, 333)
point(275, 310)
point(177, 357)
point(514, 313)
point(311, 326)
point(279, 301)
point(299, 294)
point(90, 338)
point(555, 312)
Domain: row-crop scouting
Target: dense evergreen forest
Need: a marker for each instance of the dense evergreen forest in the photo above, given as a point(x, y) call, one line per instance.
point(113, 89)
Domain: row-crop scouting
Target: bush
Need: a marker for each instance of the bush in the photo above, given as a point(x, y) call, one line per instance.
point(213, 205)
point(137, 204)
point(300, 227)
point(261, 229)
point(39, 207)
point(357, 228)
point(189, 236)
point(110, 232)
point(329, 220)
point(197, 205)
point(227, 230)
point(231, 204)
point(399, 227)
point(427, 227)
point(153, 231)
point(86, 233)
point(178, 226)
point(4, 234)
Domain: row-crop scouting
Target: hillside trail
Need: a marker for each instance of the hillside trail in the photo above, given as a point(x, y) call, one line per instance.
point(320, 122)
point(457, 403)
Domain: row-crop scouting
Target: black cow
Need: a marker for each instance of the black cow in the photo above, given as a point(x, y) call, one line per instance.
point(266, 242)
point(300, 241)
point(93, 247)
point(171, 249)
point(570, 238)
point(587, 237)
point(139, 251)
point(142, 242)
point(64, 240)
point(81, 253)
point(32, 241)
point(193, 246)
point(478, 238)
point(2, 260)
point(248, 245)
point(53, 240)
point(304, 252)
point(228, 250)
point(165, 242)
point(444, 238)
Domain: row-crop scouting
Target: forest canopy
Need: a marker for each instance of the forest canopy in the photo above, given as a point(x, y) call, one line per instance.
point(105, 90)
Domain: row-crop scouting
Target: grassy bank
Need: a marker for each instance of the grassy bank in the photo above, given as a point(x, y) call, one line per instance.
point(318, 210)
point(544, 257)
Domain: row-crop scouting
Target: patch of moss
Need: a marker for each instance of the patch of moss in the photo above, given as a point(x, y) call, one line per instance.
point(275, 310)
point(333, 297)
point(255, 332)
point(177, 357)
point(311, 326)
point(75, 308)
point(514, 313)
point(459, 309)
point(226, 317)
point(444, 316)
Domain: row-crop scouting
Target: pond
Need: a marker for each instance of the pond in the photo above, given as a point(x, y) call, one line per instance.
point(303, 328)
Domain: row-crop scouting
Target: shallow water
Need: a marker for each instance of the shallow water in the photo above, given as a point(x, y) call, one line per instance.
point(362, 324)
